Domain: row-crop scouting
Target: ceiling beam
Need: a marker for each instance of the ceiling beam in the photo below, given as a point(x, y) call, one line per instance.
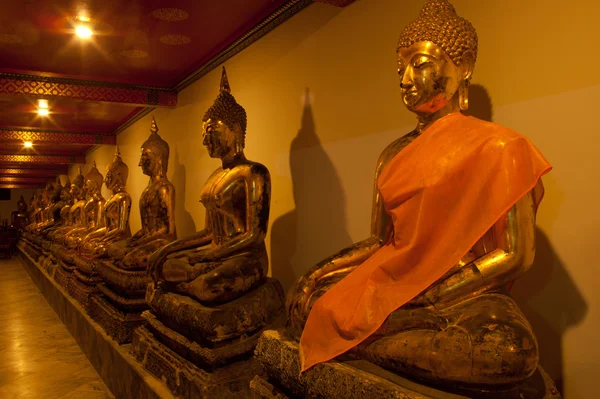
point(23, 180)
point(42, 159)
point(33, 172)
point(22, 185)
point(9, 135)
point(48, 87)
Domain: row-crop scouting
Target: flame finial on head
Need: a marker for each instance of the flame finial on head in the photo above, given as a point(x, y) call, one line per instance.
point(225, 82)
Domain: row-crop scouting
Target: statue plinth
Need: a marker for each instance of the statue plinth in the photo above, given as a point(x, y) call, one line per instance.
point(206, 350)
point(120, 300)
point(84, 281)
point(360, 379)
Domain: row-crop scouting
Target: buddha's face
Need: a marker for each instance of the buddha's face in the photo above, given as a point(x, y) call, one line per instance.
point(147, 161)
point(428, 78)
point(110, 179)
point(218, 138)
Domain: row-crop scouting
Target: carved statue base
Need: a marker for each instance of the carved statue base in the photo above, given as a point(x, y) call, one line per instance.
point(361, 379)
point(118, 324)
point(187, 380)
point(63, 274)
point(120, 301)
point(206, 350)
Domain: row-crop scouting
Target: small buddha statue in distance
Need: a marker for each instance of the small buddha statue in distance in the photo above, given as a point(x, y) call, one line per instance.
point(116, 212)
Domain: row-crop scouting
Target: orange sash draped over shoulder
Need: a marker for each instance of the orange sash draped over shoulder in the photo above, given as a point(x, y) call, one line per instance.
point(443, 192)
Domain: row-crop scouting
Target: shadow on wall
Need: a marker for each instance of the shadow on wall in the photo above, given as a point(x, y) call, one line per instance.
point(546, 294)
point(317, 227)
point(550, 300)
point(183, 219)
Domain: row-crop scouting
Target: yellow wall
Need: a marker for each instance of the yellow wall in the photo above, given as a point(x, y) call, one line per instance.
point(537, 61)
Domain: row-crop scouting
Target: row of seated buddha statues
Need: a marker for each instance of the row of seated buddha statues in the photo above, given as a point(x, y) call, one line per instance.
point(425, 296)
point(194, 307)
point(420, 308)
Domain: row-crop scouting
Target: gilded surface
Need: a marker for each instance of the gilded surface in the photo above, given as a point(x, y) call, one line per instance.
point(463, 329)
point(116, 212)
point(212, 287)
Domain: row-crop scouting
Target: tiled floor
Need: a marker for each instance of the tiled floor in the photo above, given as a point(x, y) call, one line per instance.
point(38, 356)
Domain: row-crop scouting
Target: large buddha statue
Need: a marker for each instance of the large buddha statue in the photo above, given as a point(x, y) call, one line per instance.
point(211, 297)
point(453, 225)
point(118, 308)
point(114, 228)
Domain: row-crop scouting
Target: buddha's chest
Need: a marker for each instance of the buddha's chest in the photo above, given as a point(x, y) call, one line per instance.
point(223, 191)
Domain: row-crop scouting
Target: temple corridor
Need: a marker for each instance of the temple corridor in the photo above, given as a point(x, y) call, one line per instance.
point(38, 356)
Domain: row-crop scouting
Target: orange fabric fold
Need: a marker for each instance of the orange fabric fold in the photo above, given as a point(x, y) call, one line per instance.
point(443, 192)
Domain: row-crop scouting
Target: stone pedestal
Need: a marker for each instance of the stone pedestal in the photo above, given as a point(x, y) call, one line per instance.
point(206, 351)
point(359, 379)
point(120, 301)
point(186, 380)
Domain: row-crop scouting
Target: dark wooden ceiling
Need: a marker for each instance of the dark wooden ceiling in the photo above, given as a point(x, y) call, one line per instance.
point(140, 54)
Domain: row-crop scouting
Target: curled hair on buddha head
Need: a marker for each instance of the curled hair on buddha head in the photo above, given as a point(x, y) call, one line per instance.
point(95, 177)
point(157, 146)
point(227, 110)
point(439, 23)
point(118, 168)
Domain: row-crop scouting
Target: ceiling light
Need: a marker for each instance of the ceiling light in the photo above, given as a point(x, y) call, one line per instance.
point(28, 144)
point(43, 104)
point(43, 111)
point(83, 31)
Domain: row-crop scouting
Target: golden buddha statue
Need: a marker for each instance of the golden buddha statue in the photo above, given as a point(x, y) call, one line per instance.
point(124, 272)
point(211, 293)
point(93, 210)
point(453, 224)
point(19, 218)
point(116, 212)
point(71, 213)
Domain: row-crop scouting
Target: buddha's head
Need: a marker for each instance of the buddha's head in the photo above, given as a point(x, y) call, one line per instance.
point(77, 190)
point(154, 159)
point(57, 191)
point(65, 193)
point(436, 55)
point(22, 205)
point(93, 180)
point(224, 124)
point(116, 173)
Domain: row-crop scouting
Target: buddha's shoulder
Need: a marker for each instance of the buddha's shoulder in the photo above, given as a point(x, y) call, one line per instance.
point(395, 147)
point(253, 169)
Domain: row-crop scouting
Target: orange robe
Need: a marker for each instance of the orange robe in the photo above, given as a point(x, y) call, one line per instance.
point(443, 192)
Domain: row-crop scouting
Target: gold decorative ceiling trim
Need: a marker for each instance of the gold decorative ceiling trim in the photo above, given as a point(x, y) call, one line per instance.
point(32, 172)
point(42, 159)
point(55, 137)
point(21, 179)
point(22, 185)
point(48, 87)
point(285, 12)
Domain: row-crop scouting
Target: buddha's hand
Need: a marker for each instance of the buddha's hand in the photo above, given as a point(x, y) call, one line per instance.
point(155, 263)
point(201, 255)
